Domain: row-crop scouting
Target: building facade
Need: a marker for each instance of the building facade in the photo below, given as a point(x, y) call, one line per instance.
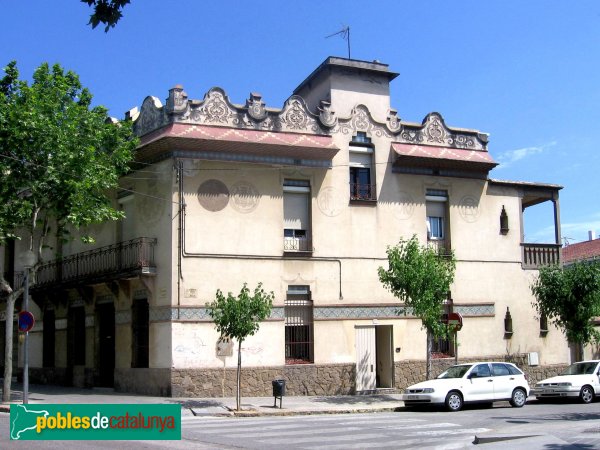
point(305, 199)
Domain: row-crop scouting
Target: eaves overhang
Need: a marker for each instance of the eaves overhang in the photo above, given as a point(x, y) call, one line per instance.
point(438, 157)
point(233, 144)
point(531, 193)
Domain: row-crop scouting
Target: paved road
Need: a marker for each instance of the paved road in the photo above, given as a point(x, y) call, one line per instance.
point(560, 425)
point(564, 426)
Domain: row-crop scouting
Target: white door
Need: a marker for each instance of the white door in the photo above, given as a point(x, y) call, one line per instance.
point(365, 358)
point(480, 385)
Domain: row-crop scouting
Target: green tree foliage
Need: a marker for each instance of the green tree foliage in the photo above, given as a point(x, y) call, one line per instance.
point(570, 298)
point(240, 317)
point(420, 278)
point(107, 12)
point(59, 158)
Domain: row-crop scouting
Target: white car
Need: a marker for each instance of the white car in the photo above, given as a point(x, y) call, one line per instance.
point(483, 382)
point(578, 380)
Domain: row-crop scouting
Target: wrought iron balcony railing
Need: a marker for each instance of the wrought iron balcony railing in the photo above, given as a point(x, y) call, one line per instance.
point(537, 255)
point(129, 258)
point(367, 192)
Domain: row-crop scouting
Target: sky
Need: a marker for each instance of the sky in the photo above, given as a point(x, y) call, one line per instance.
point(525, 72)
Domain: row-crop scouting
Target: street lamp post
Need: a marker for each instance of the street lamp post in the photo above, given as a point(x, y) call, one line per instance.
point(28, 261)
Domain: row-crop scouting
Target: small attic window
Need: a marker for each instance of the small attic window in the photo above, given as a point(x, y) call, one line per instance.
point(361, 137)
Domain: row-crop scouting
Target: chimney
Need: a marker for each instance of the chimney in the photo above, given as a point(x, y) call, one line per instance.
point(591, 235)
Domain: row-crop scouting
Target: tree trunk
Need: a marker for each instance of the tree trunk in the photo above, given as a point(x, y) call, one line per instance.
point(429, 347)
point(8, 348)
point(239, 376)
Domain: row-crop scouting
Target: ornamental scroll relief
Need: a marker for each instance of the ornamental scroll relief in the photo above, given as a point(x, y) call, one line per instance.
point(433, 131)
point(215, 109)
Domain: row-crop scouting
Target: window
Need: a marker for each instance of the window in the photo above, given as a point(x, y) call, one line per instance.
point(481, 371)
point(435, 227)
point(500, 370)
point(139, 328)
point(436, 211)
point(296, 216)
point(362, 186)
point(298, 326)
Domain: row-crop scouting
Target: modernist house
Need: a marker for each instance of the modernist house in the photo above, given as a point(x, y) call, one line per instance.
point(305, 199)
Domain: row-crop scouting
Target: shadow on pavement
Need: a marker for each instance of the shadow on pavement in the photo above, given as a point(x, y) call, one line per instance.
point(355, 399)
point(196, 403)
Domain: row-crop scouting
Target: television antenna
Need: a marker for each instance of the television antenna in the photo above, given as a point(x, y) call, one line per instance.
point(345, 34)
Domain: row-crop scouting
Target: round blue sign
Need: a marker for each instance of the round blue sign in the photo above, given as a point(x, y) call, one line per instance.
point(26, 321)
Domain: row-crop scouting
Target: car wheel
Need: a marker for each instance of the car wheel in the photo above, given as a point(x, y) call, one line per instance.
point(518, 398)
point(454, 401)
point(586, 395)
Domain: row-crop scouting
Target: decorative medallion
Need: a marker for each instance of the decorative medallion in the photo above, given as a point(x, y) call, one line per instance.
point(256, 107)
point(469, 209)
point(393, 121)
point(213, 195)
point(327, 115)
point(244, 197)
point(150, 204)
point(406, 206)
point(330, 201)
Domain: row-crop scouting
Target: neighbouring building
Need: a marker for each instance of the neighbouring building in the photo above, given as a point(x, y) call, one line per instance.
point(304, 198)
point(582, 251)
point(588, 252)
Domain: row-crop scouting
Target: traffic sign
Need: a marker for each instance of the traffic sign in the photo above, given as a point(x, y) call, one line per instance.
point(456, 320)
point(26, 321)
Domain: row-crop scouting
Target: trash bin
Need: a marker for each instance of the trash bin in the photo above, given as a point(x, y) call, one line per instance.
point(278, 391)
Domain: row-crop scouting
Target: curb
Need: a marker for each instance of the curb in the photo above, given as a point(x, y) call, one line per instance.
point(255, 413)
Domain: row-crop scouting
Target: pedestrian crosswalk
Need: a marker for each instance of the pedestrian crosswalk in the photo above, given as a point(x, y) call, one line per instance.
point(329, 432)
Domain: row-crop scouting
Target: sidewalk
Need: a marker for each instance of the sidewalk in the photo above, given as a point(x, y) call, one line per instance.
point(251, 406)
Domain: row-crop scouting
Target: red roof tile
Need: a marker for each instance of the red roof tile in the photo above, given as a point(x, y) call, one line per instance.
point(581, 250)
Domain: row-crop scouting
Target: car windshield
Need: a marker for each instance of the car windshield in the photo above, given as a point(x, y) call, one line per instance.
point(581, 368)
point(455, 372)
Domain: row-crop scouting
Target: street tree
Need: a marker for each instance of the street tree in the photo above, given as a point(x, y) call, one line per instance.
point(240, 317)
point(107, 12)
point(570, 298)
point(59, 159)
point(420, 277)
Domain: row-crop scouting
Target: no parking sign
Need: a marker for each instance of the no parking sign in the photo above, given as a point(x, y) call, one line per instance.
point(26, 321)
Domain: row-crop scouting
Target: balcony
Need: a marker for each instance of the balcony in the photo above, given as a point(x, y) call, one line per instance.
point(118, 261)
point(297, 244)
point(441, 246)
point(536, 255)
point(363, 192)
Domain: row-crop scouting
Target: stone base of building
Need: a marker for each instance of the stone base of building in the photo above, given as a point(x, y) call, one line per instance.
point(410, 372)
point(305, 379)
point(302, 379)
point(58, 376)
point(155, 382)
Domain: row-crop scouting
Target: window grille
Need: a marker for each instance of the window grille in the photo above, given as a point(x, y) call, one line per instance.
point(444, 346)
point(298, 326)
